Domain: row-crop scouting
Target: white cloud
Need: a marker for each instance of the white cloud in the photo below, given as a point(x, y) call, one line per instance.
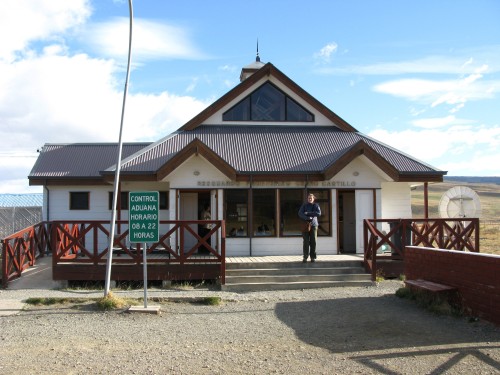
point(52, 95)
point(454, 93)
point(25, 21)
point(325, 53)
point(150, 40)
point(459, 64)
point(439, 122)
point(459, 149)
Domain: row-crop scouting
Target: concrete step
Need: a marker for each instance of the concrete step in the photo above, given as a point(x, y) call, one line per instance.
point(254, 287)
point(291, 278)
point(255, 276)
point(317, 264)
point(305, 270)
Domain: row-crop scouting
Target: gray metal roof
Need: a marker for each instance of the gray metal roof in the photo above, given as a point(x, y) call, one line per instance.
point(80, 160)
point(271, 149)
point(21, 200)
point(247, 149)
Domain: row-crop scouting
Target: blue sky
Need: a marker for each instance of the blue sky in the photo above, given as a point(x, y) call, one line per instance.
point(422, 76)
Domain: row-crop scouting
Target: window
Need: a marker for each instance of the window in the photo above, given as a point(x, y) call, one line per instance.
point(323, 199)
point(290, 202)
point(122, 204)
point(164, 200)
point(79, 200)
point(236, 203)
point(268, 103)
point(264, 212)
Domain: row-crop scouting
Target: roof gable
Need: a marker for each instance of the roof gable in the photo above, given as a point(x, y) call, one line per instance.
point(196, 147)
point(267, 70)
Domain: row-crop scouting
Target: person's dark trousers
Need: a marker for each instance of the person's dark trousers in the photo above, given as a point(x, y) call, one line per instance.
point(309, 243)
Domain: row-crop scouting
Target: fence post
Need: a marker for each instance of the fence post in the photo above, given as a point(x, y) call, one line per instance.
point(5, 280)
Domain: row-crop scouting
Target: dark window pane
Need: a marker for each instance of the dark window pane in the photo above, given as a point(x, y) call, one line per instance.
point(240, 112)
point(295, 112)
point(236, 215)
point(164, 200)
point(79, 200)
point(323, 199)
point(268, 104)
point(123, 200)
point(290, 202)
point(264, 211)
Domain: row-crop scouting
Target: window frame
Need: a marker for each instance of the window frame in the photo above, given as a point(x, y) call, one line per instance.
point(123, 200)
point(241, 214)
point(272, 228)
point(281, 217)
point(247, 109)
point(82, 203)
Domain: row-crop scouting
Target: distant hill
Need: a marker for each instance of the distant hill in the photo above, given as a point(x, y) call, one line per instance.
point(474, 179)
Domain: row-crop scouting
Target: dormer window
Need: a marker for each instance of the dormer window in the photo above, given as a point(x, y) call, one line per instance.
point(268, 103)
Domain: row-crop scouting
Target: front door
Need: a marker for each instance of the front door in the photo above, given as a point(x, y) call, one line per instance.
point(191, 204)
point(347, 222)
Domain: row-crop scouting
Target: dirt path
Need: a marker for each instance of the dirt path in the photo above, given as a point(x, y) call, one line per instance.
point(327, 331)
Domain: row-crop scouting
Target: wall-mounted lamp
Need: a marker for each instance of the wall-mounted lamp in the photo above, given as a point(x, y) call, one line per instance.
point(196, 173)
point(356, 173)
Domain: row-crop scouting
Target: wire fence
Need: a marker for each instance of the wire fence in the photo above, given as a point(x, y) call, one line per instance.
point(489, 237)
point(13, 219)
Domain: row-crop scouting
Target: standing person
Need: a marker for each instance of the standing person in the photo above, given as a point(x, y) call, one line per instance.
point(309, 212)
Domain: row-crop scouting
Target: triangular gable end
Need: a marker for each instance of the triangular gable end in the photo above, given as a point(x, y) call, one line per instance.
point(358, 149)
point(267, 70)
point(196, 147)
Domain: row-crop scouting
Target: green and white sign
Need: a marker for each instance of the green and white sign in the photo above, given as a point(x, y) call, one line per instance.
point(144, 216)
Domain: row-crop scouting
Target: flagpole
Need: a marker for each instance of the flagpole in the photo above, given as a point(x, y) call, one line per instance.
point(118, 162)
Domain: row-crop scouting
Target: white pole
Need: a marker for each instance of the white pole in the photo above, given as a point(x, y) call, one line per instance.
point(145, 268)
point(118, 163)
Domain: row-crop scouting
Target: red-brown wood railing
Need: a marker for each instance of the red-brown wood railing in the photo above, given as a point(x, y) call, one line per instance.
point(449, 234)
point(87, 242)
point(20, 250)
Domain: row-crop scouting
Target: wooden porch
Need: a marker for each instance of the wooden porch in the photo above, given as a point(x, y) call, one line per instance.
point(79, 249)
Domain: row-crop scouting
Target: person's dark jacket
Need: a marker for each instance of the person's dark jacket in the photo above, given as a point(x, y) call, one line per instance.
point(310, 212)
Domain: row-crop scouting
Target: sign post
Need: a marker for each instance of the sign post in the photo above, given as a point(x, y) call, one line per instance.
point(143, 224)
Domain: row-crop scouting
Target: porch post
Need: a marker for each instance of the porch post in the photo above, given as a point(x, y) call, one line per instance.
point(426, 200)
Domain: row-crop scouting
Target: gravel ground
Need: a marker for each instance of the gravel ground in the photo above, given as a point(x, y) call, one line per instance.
point(323, 331)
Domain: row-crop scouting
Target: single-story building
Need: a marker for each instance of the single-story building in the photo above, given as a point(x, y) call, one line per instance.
point(251, 156)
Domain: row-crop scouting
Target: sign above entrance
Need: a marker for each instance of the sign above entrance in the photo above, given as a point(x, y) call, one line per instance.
point(144, 216)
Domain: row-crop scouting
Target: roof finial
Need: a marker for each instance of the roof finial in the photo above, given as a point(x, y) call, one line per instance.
point(257, 58)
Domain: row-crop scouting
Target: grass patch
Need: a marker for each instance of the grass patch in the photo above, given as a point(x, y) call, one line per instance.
point(39, 301)
point(110, 302)
point(379, 277)
point(211, 301)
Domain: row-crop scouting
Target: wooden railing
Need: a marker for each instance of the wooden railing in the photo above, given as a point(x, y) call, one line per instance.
point(77, 242)
point(449, 234)
point(20, 250)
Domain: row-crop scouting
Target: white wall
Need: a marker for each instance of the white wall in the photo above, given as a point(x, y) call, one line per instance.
point(396, 202)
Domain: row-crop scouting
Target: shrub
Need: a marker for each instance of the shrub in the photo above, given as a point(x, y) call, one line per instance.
point(110, 302)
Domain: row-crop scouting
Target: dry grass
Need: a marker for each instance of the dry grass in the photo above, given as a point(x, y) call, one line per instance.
point(489, 194)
